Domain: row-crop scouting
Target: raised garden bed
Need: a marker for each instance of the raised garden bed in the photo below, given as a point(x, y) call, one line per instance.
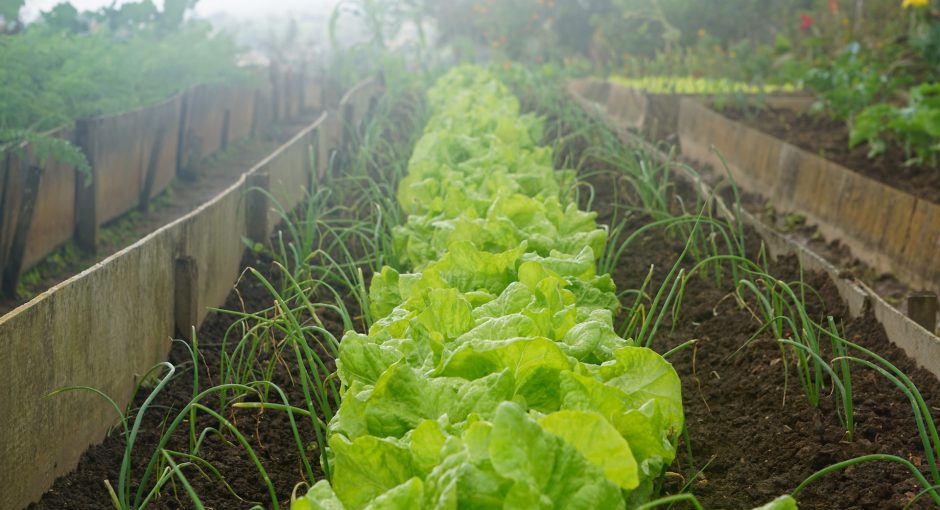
point(58, 220)
point(269, 433)
point(656, 115)
point(751, 434)
point(830, 139)
point(885, 227)
point(159, 287)
point(889, 230)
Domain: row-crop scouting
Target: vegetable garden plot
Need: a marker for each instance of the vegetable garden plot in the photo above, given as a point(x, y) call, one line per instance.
point(888, 230)
point(246, 344)
point(885, 227)
point(479, 360)
point(84, 488)
point(753, 433)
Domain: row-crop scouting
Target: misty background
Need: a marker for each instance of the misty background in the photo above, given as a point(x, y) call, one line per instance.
point(254, 25)
point(246, 9)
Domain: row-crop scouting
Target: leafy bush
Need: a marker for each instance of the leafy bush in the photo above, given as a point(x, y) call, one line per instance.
point(10, 9)
point(59, 70)
point(853, 81)
point(915, 126)
point(51, 77)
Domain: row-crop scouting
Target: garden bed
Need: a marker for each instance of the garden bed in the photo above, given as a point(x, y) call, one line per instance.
point(892, 232)
point(269, 433)
point(829, 138)
point(752, 434)
point(757, 439)
point(754, 438)
point(210, 177)
point(156, 290)
point(888, 229)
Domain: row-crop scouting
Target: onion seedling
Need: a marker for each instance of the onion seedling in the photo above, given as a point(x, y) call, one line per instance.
point(878, 457)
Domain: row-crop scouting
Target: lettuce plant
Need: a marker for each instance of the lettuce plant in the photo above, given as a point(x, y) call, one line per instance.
point(491, 376)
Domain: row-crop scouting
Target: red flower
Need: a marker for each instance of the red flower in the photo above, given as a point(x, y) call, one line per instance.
point(833, 6)
point(806, 22)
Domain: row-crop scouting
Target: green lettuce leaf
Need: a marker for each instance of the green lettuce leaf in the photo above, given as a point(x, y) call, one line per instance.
point(644, 376)
point(368, 467)
point(598, 441)
point(319, 497)
point(547, 471)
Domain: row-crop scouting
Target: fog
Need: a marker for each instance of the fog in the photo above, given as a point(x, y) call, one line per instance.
point(246, 9)
point(254, 24)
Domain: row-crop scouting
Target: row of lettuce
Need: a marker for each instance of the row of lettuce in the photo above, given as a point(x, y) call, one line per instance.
point(492, 376)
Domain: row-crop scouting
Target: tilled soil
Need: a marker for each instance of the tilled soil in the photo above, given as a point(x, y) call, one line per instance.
point(758, 434)
point(269, 433)
point(753, 436)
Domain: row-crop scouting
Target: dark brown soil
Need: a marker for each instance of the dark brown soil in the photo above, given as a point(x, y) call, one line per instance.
point(210, 177)
point(753, 434)
point(794, 226)
point(830, 139)
point(269, 433)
